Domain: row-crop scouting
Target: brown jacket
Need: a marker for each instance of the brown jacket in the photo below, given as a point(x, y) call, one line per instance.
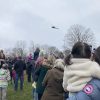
point(53, 83)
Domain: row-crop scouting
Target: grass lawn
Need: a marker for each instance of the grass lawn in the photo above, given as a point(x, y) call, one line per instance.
point(26, 94)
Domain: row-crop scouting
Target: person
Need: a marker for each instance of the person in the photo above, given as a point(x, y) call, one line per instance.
point(38, 63)
point(4, 78)
point(19, 67)
point(80, 70)
point(34, 61)
point(36, 54)
point(29, 70)
point(92, 90)
point(2, 58)
point(40, 73)
point(53, 82)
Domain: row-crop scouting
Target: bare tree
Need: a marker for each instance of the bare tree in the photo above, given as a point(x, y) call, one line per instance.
point(66, 52)
point(49, 49)
point(53, 50)
point(20, 48)
point(78, 33)
point(32, 47)
point(45, 47)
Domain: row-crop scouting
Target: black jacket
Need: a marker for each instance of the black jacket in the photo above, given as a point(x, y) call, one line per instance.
point(29, 68)
point(36, 55)
point(19, 67)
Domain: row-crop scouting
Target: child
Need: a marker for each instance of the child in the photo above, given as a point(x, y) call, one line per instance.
point(81, 70)
point(4, 78)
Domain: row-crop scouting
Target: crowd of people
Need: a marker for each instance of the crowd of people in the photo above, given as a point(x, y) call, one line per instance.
point(55, 77)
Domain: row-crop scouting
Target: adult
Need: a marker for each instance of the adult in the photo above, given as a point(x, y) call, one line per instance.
point(19, 67)
point(2, 58)
point(40, 73)
point(29, 67)
point(79, 72)
point(36, 54)
point(34, 61)
point(53, 82)
point(38, 63)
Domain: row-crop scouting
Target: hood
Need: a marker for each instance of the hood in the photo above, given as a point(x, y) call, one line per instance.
point(80, 68)
point(80, 64)
point(79, 60)
point(59, 63)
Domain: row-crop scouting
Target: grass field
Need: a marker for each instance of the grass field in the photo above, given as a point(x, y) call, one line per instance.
point(26, 94)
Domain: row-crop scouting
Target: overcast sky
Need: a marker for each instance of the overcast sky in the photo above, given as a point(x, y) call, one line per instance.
point(32, 20)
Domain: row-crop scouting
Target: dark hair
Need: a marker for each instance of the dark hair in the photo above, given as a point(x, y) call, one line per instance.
point(67, 60)
point(81, 50)
point(97, 55)
point(37, 49)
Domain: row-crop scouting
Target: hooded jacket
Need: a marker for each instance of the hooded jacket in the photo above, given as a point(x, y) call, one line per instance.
point(19, 67)
point(4, 77)
point(53, 82)
point(77, 75)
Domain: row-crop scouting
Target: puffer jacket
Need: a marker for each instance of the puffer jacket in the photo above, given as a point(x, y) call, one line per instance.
point(4, 77)
point(90, 92)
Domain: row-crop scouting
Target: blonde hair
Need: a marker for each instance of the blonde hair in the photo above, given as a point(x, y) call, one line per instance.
point(51, 59)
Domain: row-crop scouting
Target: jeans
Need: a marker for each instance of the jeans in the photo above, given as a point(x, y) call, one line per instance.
point(3, 93)
point(35, 94)
point(21, 77)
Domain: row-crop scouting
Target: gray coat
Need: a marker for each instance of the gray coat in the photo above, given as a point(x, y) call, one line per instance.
point(91, 92)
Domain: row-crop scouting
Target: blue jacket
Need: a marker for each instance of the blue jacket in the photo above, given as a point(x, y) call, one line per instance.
point(90, 92)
